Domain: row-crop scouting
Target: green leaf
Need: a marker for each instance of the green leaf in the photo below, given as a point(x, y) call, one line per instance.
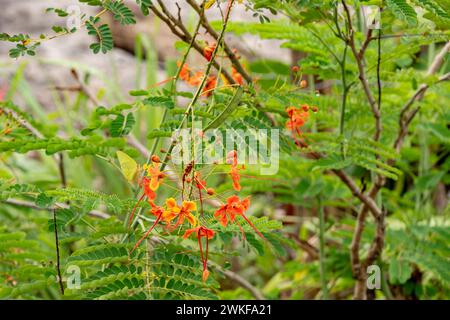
point(144, 5)
point(234, 102)
point(121, 12)
point(103, 33)
point(122, 125)
point(43, 201)
point(403, 11)
point(159, 101)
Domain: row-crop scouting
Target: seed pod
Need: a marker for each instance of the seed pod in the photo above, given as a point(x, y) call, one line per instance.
point(303, 84)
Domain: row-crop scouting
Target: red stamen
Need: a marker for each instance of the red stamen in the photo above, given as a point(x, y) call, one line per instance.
point(253, 226)
point(147, 233)
point(134, 210)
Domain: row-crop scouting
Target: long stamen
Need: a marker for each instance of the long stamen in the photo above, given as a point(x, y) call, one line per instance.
point(253, 226)
point(201, 199)
point(205, 263)
point(147, 233)
point(244, 237)
point(134, 210)
point(200, 247)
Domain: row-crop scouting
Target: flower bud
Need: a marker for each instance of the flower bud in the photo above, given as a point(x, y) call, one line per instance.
point(155, 158)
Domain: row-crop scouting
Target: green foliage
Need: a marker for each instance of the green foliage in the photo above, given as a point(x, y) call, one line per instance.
point(144, 5)
point(120, 11)
point(122, 125)
point(59, 170)
point(403, 11)
point(103, 33)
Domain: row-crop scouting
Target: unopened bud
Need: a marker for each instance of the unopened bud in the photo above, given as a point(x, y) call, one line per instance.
point(303, 84)
point(156, 159)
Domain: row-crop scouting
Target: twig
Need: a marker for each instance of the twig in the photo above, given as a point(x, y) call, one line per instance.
point(202, 84)
point(234, 60)
point(240, 280)
point(58, 265)
point(322, 251)
point(178, 29)
point(57, 205)
point(362, 74)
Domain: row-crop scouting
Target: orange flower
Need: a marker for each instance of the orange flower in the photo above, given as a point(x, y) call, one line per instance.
point(235, 207)
point(158, 212)
point(208, 51)
point(234, 172)
point(200, 231)
point(297, 117)
point(237, 77)
point(208, 234)
point(185, 72)
point(183, 212)
point(211, 84)
point(196, 79)
point(156, 176)
point(201, 184)
point(148, 192)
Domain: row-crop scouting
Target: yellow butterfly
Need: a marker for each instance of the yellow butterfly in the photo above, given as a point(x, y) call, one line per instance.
point(209, 4)
point(128, 166)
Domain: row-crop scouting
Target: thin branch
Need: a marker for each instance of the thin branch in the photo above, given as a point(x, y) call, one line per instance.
point(58, 263)
point(178, 29)
point(57, 205)
point(240, 280)
point(362, 75)
point(229, 52)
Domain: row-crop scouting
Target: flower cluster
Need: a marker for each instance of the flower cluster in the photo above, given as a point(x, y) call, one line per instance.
point(297, 119)
point(174, 215)
point(195, 78)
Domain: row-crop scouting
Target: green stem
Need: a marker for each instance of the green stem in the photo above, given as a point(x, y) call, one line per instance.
point(202, 84)
point(322, 251)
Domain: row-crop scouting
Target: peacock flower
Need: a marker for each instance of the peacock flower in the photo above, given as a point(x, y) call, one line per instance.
point(297, 117)
point(234, 172)
point(202, 232)
point(156, 176)
point(185, 72)
point(208, 51)
point(158, 212)
point(235, 207)
point(199, 231)
point(201, 184)
point(210, 85)
point(196, 79)
point(237, 77)
point(148, 192)
point(231, 209)
point(184, 212)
